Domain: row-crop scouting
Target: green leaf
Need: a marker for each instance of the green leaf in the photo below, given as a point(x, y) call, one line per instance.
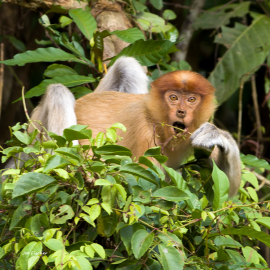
point(18, 44)
point(30, 183)
point(129, 35)
point(38, 224)
point(176, 178)
point(121, 191)
point(80, 91)
point(32, 261)
point(69, 152)
point(169, 14)
point(171, 194)
point(85, 21)
point(140, 242)
point(22, 137)
point(228, 35)
point(68, 81)
point(54, 244)
point(155, 152)
point(147, 52)
point(33, 248)
point(106, 224)
point(65, 213)
point(255, 162)
point(56, 70)
point(245, 55)
point(265, 221)
point(219, 15)
point(136, 169)
point(170, 239)
point(251, 178)
point(253, 194)
point(19, 214)
point(89, 251)
point(261, 236)
point(171, 258)
point(113, 150)
point(251, 255)
point(154, 23)
point(226, 241)
point(157, 4)
point(71, 134)
point(64, 21)
point(55, 161)
point(95, 211)
point(41, 55)
point(220, 187)
point(106, 207)
point(99, 250)
point(84, 263)
point(126, 234)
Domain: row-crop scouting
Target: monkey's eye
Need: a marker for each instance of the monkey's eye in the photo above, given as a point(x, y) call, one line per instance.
point(191, 99)
point(173, 97)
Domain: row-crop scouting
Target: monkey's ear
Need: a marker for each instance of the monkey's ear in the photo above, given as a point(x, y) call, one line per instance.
point(127, 76)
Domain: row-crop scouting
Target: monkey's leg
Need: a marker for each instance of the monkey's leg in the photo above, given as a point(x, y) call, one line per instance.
point(225, 154)
point(127, 76)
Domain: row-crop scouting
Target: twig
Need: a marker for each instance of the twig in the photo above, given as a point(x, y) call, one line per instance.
point(50, 38)
point(187, 30)
point(257, 112)
point(15, 76)
point(1, 75)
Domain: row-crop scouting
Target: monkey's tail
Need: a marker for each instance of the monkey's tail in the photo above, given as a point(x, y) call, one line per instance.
point(56, 109)
point(126, 75)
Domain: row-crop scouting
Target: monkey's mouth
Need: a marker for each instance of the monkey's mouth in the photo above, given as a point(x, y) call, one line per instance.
point(178, 126)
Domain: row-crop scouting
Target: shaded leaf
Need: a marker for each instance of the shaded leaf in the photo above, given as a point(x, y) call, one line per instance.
point(31, 182)
point(85, 21)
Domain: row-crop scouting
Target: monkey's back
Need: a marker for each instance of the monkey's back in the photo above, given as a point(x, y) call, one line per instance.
point(101, 110)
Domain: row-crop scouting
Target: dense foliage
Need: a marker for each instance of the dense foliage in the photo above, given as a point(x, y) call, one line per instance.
point(78, 207)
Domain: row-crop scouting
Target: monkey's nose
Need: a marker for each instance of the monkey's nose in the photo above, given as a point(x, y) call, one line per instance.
point(181, 113)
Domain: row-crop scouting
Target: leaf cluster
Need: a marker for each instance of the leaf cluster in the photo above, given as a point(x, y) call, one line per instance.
point(66, 206)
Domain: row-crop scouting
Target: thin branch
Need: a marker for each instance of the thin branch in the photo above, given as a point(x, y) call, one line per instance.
point(256, 108)
point(187, 30)
point(1, 75)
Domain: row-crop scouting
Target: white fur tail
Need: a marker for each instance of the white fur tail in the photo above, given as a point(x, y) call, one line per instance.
point(126, 75)
point(56, 109)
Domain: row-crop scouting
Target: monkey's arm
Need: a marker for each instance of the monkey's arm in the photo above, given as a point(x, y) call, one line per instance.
point(126, 75)
point(225, 154)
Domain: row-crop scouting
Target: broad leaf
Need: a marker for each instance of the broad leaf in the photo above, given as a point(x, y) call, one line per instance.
point(56, 70)
point(129, 35)
point(147, 52)
point(171, 194)
point(85, 21)
point(246, 54)
point(261, 236)
point(218, 16)
point(31, 182)
point(68, 81)
point(41, 55)
point(255, 162)
point(55, 161)
point(136, 169)
point(220, 188)
point(171, 258)
point(140, 242)
point(113, 150)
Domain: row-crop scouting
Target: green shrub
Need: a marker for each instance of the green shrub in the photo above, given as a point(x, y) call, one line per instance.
point(92, 206)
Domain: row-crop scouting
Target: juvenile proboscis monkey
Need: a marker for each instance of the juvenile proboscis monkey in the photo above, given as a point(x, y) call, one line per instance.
point(177, 100)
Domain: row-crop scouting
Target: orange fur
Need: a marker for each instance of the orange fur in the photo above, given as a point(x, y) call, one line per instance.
point(143, 114)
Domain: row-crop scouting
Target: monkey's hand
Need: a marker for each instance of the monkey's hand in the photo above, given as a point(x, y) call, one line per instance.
point(208, 135)
point(226, 154)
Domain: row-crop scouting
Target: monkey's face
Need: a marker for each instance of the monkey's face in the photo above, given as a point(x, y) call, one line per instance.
point(181, 110)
